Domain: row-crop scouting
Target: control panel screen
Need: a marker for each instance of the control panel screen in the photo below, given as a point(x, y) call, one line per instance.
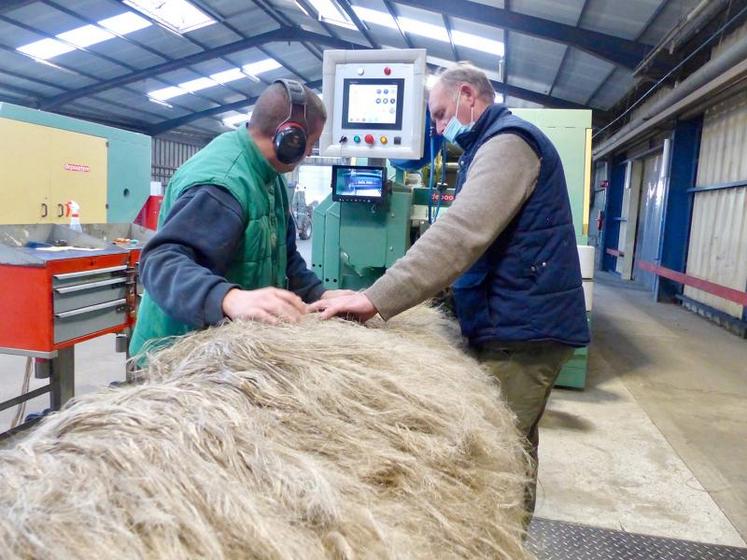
point(371, 103)
point(361, 183)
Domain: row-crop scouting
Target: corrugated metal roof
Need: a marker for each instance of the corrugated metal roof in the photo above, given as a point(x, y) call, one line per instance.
point(537, 65)
point(533, 62)
point(582, 75)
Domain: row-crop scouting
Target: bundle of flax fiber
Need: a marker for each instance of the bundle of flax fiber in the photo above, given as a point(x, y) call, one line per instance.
point(317, 440)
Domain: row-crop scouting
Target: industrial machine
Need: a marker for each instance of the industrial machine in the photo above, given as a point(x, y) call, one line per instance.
point(373, 214)
point(61, 286)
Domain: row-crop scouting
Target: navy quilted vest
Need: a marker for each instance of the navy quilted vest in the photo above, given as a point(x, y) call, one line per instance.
point(527, 285)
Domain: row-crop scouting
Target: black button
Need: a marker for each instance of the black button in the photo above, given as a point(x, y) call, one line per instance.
point(343, 139)
point(397, 140)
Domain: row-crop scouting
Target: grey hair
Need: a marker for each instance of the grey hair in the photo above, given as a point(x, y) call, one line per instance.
point(466, 73)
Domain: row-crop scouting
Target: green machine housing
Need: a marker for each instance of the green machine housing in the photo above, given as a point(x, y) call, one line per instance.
point(354, 243)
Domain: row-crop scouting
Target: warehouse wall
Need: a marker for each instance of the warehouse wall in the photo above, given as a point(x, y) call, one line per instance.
point(718, 238)
point(167, 156)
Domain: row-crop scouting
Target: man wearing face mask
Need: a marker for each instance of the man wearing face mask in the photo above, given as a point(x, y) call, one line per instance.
point(507, 246)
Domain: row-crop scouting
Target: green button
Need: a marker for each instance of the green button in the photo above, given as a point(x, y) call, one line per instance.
point(356, 139)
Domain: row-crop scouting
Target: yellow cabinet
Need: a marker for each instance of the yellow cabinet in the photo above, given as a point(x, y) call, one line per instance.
point(41, 168)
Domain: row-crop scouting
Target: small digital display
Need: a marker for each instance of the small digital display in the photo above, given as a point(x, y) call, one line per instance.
point(358, 183)
point(372, 103)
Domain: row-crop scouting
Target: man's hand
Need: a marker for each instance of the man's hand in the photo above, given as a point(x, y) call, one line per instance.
point(357, 305)
point(329, 294)
point(268, 305)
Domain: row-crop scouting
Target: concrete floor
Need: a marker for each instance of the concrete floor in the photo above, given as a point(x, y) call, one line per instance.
point(655, 444)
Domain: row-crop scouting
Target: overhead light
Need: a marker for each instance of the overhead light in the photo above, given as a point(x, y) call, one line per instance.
point(431, 31)
point(177, 15)
point(159, 102)
point(374, 16)
point(415, 27)
point(197, 85)
point(443, 63)
point(85, 36)
point(330, 11)
point(124, 23)
point(228, 76)
point(166, 93)
point(235, 120)
point(46, 48)
point(478, 43)
point(300, 7)
point(247, 71)
point(261, 66)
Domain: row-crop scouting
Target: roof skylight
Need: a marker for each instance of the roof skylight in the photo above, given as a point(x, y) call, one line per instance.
point(45, 49)
point(177, 15)
point(124, 23)
point(84, 36)
point(166, 93)
point(228, 76)
point(471, 41)
point(223, 77)
point(330, 11)
point(261, 66)
point(375, 16)
point(235, 120)
point(198, 84)
point(416, 27)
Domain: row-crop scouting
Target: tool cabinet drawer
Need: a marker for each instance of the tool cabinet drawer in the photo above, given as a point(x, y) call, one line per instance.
point(67, 298)
point(85, 320)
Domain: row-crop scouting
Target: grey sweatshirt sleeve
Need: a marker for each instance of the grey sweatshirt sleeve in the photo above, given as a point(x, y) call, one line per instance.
point(500, 179)
point(183, 266)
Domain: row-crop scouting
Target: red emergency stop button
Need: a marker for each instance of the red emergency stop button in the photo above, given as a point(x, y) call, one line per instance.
point(387, 70)
point(369, 139)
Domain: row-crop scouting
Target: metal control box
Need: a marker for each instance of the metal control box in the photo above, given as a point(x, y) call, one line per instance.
point(375, 103)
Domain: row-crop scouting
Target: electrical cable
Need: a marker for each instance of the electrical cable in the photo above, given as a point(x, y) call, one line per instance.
point(21, 410)
point(657, 84)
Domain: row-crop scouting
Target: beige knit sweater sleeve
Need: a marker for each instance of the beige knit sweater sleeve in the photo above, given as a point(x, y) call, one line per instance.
point(501, 178)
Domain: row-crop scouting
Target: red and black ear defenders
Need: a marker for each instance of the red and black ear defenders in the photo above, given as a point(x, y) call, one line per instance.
point(290, 135)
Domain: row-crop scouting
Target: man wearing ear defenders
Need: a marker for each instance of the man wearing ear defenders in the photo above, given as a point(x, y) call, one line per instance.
point(225, 245)
point(507, 246)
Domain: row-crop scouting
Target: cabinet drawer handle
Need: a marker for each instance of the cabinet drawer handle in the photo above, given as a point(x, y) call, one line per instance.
point(91, 285)
point(60, 210)
point(90, 308)
point(44, 210)
point(92, 272)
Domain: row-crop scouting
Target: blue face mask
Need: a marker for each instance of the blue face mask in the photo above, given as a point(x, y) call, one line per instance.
point(454, 128)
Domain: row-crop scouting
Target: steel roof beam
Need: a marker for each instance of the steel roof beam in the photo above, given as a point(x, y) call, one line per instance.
point(447, 25)
point(165, 126)
point(282, 34)
point(9, 5)
point(615, 49)
point(345, 5)
point(394, 14)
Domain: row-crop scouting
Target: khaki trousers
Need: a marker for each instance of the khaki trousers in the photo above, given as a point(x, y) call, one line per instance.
point(527, 372)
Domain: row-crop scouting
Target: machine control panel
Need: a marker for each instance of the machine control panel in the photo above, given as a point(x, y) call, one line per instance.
point(375, 103)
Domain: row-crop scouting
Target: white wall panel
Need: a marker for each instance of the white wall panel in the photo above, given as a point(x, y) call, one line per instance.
point(718, 237)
